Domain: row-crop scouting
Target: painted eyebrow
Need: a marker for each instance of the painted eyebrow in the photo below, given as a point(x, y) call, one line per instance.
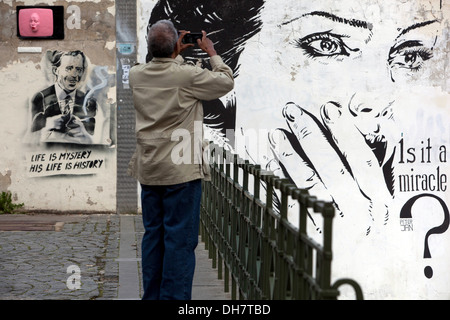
point(351, 22)
point(415, 26)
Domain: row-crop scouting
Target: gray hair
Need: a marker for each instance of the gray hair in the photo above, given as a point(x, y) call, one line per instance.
point(162, 38)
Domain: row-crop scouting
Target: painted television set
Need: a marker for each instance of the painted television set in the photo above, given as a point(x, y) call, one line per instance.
point(40, 22)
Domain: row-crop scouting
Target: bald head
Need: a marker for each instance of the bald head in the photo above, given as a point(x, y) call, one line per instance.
point(162, 39)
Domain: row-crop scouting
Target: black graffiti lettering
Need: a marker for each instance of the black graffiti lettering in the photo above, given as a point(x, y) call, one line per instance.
point(75, 155)
point(425, 152)
point(423, 182)
point(38, 157)
point(54, 166)
point(36, 168)
point(88, 164)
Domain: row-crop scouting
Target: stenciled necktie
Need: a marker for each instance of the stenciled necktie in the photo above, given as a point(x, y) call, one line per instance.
point(67, 105)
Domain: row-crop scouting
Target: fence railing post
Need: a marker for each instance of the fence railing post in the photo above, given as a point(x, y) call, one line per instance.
point(264, 255)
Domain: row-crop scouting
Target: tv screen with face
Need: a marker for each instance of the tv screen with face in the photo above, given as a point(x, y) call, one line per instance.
point(40, 22)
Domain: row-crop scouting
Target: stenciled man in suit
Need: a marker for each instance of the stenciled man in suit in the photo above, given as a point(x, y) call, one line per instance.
point(61, 112)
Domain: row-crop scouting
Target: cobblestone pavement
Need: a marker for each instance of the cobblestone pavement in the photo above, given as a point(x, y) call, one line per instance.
point(39, 264)
point(80, 257)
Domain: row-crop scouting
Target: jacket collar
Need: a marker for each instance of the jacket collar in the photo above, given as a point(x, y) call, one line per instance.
point(179, 59)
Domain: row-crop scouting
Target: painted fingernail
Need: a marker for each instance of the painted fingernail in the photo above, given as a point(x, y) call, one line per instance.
point(274, 137)
point(290, 111)
point(330, 112)
point(273, 165)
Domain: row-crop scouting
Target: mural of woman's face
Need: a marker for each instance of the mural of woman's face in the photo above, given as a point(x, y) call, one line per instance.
point(339, 52)
point(70, 72)
point(328, 78)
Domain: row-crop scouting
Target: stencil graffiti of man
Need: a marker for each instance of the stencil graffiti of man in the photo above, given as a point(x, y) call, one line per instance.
point(60, 112)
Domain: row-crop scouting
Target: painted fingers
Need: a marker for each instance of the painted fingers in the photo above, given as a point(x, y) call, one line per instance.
point(334, 159)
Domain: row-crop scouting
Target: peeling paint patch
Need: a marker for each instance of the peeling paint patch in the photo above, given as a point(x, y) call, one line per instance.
point(99, 188)
point(110, 45)
point(90, 202)
point(112, 10)
point(5, 181)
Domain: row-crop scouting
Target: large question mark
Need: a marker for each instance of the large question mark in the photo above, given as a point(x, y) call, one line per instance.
point(406, 213)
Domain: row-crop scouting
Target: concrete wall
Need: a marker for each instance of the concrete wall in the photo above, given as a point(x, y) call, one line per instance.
point(44, 168)
point(351, 100)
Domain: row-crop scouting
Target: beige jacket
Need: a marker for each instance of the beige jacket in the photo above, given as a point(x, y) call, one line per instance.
point(167, 96)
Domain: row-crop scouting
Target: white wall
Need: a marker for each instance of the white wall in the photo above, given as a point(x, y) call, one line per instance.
point(367, 71)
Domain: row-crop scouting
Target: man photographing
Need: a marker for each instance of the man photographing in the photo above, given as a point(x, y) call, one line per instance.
point(167, 95)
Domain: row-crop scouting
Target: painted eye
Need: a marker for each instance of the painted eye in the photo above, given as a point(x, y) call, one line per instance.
point(410, 58)
point(324, 44)
point(326, 47)
point(409, 55)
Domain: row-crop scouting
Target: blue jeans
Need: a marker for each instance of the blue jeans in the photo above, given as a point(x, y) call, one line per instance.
point(171, 217)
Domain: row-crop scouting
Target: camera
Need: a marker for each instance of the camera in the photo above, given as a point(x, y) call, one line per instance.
point(192, 37)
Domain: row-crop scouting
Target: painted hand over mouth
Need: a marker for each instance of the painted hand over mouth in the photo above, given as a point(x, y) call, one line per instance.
point(334, 156)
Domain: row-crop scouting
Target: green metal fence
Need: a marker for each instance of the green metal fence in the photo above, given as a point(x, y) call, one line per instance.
point(251, 242)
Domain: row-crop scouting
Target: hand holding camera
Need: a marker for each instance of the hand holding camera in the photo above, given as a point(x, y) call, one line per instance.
point(188, 39)
point(191, 37)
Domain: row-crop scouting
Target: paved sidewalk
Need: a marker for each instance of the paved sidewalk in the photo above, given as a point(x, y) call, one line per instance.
point(82, 257)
